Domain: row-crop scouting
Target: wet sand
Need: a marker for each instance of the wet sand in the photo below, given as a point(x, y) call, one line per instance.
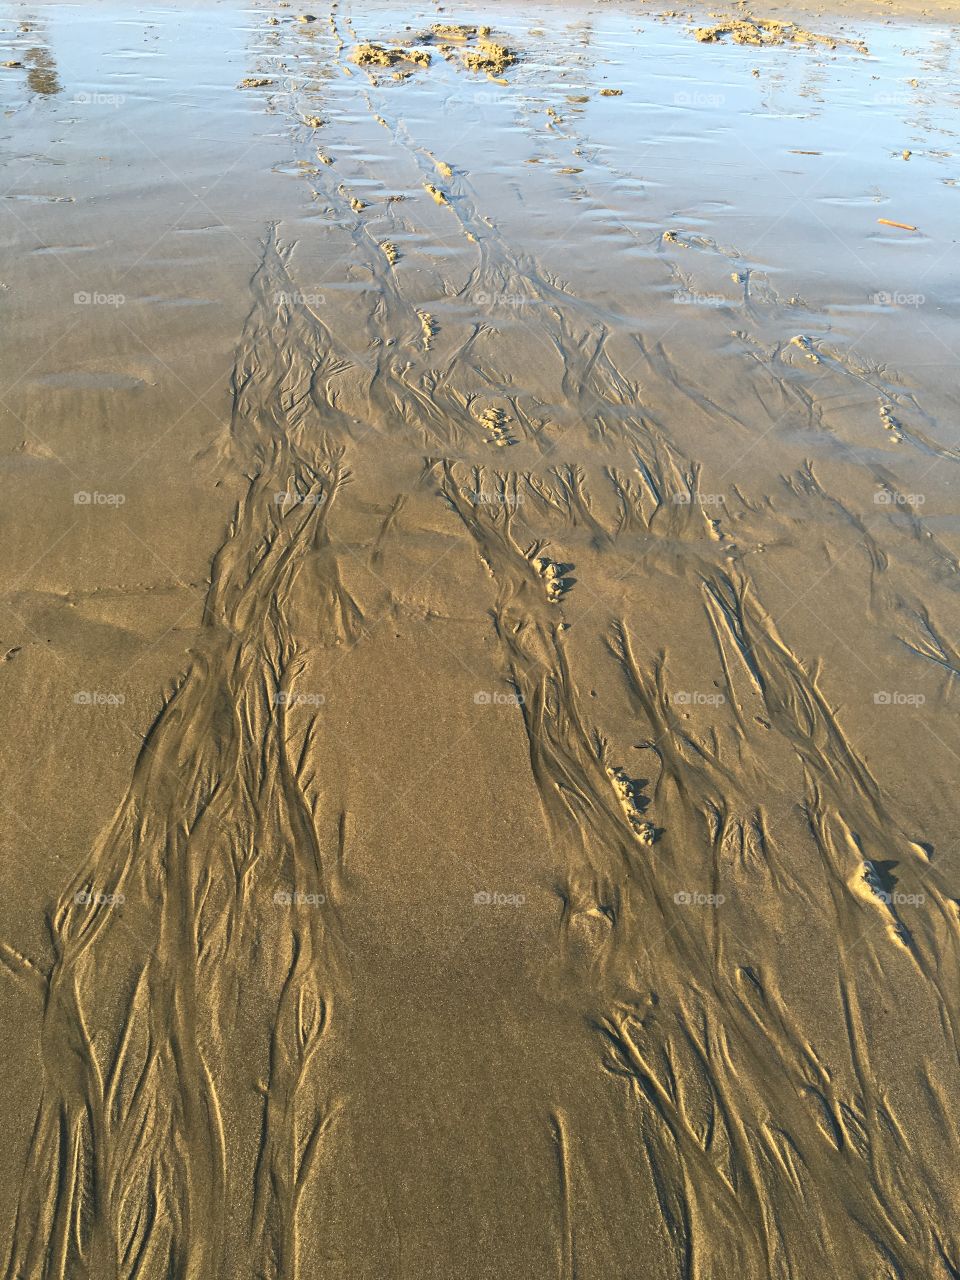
point(480, 633)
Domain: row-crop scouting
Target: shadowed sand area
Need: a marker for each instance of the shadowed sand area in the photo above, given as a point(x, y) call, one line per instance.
point(480, 635)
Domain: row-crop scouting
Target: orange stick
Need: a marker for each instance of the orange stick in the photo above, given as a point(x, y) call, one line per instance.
point(904, 226)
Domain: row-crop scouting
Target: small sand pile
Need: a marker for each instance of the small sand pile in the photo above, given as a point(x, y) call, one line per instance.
point(457, 31)
point(377, 55)
point(428, 328)
point(766, 31)
point(490, 57)
point(479, 54)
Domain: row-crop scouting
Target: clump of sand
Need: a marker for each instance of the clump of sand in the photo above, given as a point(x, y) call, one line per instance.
point(458, 31)
point(479, 54)
point(745, 29)
point(490, 57)
point(378, 55)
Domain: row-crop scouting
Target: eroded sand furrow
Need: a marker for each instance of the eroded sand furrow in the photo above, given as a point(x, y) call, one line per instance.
point(139, 1119)
point(873, 1170)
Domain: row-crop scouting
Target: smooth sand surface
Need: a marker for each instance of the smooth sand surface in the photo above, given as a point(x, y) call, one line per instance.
point(480, 636)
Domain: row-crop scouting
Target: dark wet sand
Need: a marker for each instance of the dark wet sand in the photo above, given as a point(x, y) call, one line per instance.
point(480, 634)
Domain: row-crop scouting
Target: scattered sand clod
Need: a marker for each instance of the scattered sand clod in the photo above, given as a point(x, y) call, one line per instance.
point(490, 57)
point(458, 31)
point(551, 571)
point(255, 82)
point(890, 422)
point(494, 420)
point(745, 29)
point(806, 346)
point(391, 252)
point(628, 794)
point(480, 54)
point(611, 93)
point(428, 328)
point(378, 55)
